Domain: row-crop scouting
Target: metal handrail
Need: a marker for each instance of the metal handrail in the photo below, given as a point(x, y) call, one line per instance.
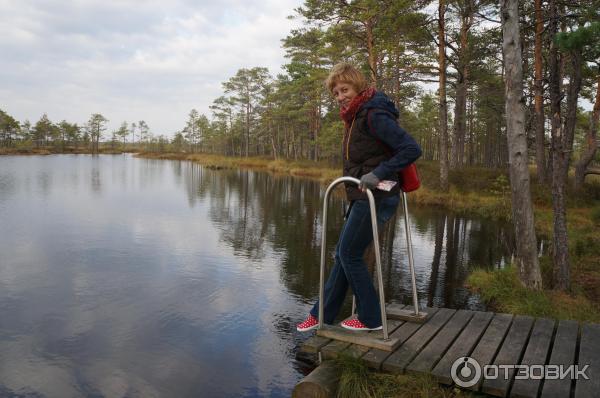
point(377, 253)
point(410, 259)
point(410, 255)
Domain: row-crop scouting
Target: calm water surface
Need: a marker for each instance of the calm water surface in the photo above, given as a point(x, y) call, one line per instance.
point(125, 277)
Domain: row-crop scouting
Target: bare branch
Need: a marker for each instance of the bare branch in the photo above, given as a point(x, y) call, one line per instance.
point(451, 46)
point(425, 80)
point(487, 19)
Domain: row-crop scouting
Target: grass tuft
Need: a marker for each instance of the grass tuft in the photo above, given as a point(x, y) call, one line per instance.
point(502, 290)
point(357, 381)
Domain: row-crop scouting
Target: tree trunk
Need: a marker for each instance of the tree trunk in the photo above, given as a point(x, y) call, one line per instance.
point(247, 128)
point(317, 129)
point(572, 98)
point(560, 241)
point(471, 139)
point(397, 80)
point(559, 166)
point(487, 159)
point(460, 108)
point(371, 51)
point(592, 142)
point(286, 144)
point(540, 145)
point(562, 145)
point(443, 111)
point(294, 143)
point(274, 140)
point(522, 207)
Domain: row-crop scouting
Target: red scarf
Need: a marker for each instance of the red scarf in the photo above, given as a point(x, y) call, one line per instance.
point(347, 114)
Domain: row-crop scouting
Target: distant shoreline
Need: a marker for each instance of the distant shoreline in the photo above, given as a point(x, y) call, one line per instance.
point(57, 151)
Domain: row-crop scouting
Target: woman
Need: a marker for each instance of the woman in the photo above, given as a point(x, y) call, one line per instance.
point(375, 148)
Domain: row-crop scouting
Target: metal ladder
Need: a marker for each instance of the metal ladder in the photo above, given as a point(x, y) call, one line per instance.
point(415, 315)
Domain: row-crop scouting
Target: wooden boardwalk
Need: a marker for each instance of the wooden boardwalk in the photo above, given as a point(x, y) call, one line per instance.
point(432, 348)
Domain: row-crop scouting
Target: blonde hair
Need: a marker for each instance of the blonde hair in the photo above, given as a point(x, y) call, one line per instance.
point(346, 73)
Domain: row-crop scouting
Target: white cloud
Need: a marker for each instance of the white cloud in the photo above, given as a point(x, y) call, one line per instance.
point(132, 60)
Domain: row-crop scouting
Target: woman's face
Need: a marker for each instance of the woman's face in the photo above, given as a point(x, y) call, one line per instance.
point(344, 93)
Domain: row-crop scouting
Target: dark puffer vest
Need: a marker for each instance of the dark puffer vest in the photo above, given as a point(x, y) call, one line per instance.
point(362, 153)
point(376, 143)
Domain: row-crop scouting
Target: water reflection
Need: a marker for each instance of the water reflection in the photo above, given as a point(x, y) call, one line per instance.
point(134, 277)
point(255, 211)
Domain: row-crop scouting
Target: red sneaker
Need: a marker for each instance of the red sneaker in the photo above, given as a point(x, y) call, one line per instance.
point(309, 324)
point(355, 324)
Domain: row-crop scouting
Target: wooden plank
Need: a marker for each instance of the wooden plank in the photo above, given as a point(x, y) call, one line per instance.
point(396, 312)
point(406, 314)
point(357, 351)
point(333, 349)
point(374, 358)
point(437, 347)
point(393, 325)
point(399, 360)
point(373, 339)
point(563, 353)
point(313, 344)
point(392, 308)
point(536, 353)
point(510, 354)
point(589, 354)
point(485, 351)
point(463, 346)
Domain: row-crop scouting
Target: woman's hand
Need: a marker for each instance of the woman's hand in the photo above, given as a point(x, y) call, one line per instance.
point(369, 180)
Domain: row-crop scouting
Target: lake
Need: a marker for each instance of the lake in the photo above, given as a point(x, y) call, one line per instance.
point(128, 277)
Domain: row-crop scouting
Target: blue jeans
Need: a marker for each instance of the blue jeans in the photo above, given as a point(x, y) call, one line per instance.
point(349, 268)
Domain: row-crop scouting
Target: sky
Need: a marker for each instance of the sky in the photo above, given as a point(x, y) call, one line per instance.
point(133, 60)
